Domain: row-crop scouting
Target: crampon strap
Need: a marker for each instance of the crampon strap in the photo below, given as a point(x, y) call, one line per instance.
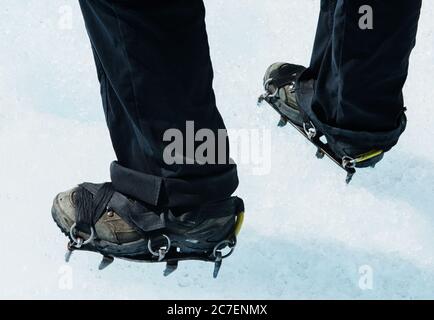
point(90, 208)
point(285, 75)
point(92, 201)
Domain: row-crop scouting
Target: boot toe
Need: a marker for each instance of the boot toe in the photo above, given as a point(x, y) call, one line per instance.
point(63, 210)
point(110, 227)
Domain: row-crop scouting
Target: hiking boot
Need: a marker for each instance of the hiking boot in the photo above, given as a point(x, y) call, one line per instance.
point(97, 218)
point(280, 85)
point(279, 81)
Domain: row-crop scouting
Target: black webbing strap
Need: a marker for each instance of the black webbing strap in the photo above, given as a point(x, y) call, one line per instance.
point(285, 74)
point(90, 208)
point(91, 203)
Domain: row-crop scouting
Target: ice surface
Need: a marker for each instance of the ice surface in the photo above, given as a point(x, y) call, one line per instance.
point(306, 234)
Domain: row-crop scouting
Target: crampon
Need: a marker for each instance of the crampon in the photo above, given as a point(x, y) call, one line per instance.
point(280, 94)
point(98, 219)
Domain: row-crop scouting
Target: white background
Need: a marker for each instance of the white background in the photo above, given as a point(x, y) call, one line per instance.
point(306, 233)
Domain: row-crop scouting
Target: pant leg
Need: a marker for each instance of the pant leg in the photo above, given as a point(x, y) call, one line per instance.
point(353, 88)
point(323, 36)
point(155, 71)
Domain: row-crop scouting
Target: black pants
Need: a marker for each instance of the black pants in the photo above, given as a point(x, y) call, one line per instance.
point(155, 71)
point(352, 91)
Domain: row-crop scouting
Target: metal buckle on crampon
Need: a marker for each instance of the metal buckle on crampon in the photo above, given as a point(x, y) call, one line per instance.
point(310, 130)
point(162, 251)
point(267, 94)
point(78, 242)
point(222, 245)
point(348, 162)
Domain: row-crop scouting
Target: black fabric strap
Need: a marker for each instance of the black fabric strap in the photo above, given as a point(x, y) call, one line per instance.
point(90, 208)
point(285, 74)
point(101, 200)
point(93, 200)
point(288, 74)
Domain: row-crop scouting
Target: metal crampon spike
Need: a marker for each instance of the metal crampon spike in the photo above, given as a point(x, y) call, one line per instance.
point(217, 264)
point(161, 254)
point(282, 122)
point(171, 267)
point(105, 262)
point(261, 99)
point(68, 255)
point(320, 154)
point(69, 251)
point(349, 177)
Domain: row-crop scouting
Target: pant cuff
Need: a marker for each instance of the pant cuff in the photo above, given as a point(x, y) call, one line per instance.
point(342, 141)
point(173, 192)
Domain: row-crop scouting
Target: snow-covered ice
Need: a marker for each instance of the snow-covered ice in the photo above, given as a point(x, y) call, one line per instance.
point(306, 235)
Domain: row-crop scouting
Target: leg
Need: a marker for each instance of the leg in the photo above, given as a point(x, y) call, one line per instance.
point(353, 88)
point(155, 71)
